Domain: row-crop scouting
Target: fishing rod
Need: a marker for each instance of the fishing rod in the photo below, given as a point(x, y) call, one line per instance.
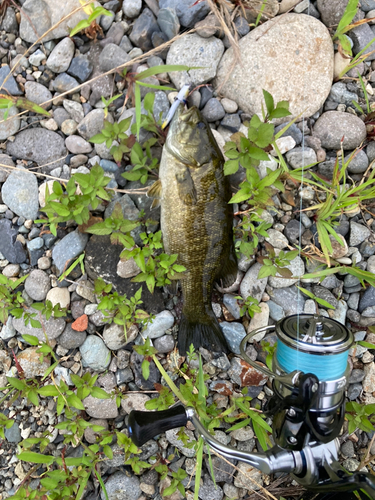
point(308, 408)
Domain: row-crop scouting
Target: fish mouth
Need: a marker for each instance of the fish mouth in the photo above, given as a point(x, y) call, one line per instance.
point(187, 115)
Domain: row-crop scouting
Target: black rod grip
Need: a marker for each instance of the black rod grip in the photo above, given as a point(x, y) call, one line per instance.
point(144, 425)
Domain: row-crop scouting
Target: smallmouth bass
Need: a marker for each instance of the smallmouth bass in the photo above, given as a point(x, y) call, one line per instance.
point(196, 223)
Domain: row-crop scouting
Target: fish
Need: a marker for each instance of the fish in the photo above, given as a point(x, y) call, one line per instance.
point(196, 223)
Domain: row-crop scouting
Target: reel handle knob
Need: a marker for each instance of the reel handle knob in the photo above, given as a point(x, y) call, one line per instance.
point(144, 425)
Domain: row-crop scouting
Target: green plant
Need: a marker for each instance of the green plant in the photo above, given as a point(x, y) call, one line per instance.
point(344, 26)
point(11, 301)
point(248, 306)
point(320, 301)
point(363, 276)
point(247, 231)
point(273, 264)
point(355, 104)
point(75, 202)
point(93, 13)
point(360, 417)
point(115, 132)
point(7, 101)
point(108, 102)
point(270, 350)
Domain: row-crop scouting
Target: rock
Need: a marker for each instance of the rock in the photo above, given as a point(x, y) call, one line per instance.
point(332, 11)
point(213, 110)
point(68, 248)
point(60, 58)
point(168, 22)
point(172, 437)
point(233, 333)
point(10, 247)
point(163, 344)
point(333, 125)
point(229, 105)
point(8, 331)
point(231, 304)
point(367, 299)
point(77, 145)
point(20, 194)
point(95, 354)
point(210, 491)
point(259, 320)
point(64, 82)
point(11, 125)
point(276, 239)
point(115, 338)
point(338, 251)
point(246, 471)
point(41, 15)
point(39, 145)
point(358, 233)
point(362, 35)
point(340, 94)
point(369, 380)
point(112, 57)
point(188, 11)
point(161, 106)
point(91, 435)
point(144, 26)
point(339, 314)
point(359, 163)
point(37, 285)
point(53, 327)
point(301, 157)
point(274, 43)
point(101, 259)
point(251, 285)
point(324, 294)
point(60, 296)
point(132, 8)
point(296, 266)
point(134, 402)
point(5, 161)
point(100, 408)
point(276, 311)
point(120, 486)
point(10, 85)
point(347, 449)
point(244, 375)
point(157, 327)
point(74, 109)
point(100, 86)
point(290, 299)
point(80, 68)
point(71, 339)
point(38, 93)
point(192, 50)
point(154, 375)
point(292, 231)
point(92, 124)
point(13, 435)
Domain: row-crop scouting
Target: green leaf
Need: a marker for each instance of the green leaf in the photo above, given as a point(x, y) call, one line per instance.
point(48, 390)
point(74, 401)
point(270, 105)
point(79, 27)
point(347, 17)
point(99, 393)
point(30, 339)
point(231, 167)
point(137, 99)
point(24, 103)
point(16, 383)
point(35, 458)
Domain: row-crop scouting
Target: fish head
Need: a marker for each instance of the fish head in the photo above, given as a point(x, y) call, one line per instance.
point(190, 139)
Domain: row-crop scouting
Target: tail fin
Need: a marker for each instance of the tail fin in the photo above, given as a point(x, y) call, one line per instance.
point(204, 331)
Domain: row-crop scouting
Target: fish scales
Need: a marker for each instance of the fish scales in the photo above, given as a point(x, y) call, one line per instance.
point(196, 223)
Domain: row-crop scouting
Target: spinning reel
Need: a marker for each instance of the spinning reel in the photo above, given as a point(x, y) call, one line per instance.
point(310, 373)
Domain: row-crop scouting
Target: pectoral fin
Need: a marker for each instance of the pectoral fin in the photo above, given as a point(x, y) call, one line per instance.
point(155, 192)
point(186, 189)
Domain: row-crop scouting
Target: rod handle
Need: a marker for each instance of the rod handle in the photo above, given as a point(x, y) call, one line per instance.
point(144, 425)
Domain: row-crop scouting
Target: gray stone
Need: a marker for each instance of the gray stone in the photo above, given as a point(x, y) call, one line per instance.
point(161, 105)
point(77, 145)
point(42, 15)
point(276, 239)
point(210, 491)
point(231, 122)
point(10, 247)
point(20, 194)
point(339, 314)
point(10, 24)
point(132, 8)
point(71, 339)
point(80, 68)
point(234, 333)
point(64, 82)
point(95, 354)
point(106, 21)
point(60, 58)
point(301, 157)
point(37, 57)
point(144, 26)
point(68, 248)
point(52, 327)
point(60, 115)
point(115, 337)
point(92, 124)
point(370, 151)
point(358, 233)
point(168, 22)
point(189, 11)
point(126, 44)
point(273, 43)
point(10, 85)
point(353, 301)
point(367, 5)
point(361, 36)
point(276, 311)
point(347, 449)
point(74, 109)
point(13, 435)
point(39, 145)
point(332, 11)
point(290, 299)
point(251, 285)
point(369, 312)
point(37, 285)
point(297, 268)
point(192, 50)
point(332, 126)
point(163, 344)
point(340, 94)
point(231, 304)
point(11, 125)
point(292, 131)
point(292, 231)
point(120, 486)
point(5, 160)
point(101, 86)
point(172, 437)
point(38, 93)
point(100, 408)
point(359, 162)
point(112, 57)
point(324, 294)
point(157, 327)
point(354, 390)
point(356, 376)
point(213, 110)
point(8, 331)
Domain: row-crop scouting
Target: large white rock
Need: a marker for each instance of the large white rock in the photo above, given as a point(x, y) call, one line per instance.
point(290, 56)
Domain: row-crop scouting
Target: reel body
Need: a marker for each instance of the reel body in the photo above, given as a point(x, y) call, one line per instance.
point(310, 372)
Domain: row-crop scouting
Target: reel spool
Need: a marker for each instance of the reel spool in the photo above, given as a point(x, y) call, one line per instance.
point(310, 372)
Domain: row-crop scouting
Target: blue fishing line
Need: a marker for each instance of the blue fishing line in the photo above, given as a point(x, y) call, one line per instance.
point(325, 367)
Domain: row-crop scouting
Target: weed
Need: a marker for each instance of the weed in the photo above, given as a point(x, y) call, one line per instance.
point(360, 417)
point(90, 25)
point(273, 264)
point(249, 306)
point(320, 301)
point(247, 231)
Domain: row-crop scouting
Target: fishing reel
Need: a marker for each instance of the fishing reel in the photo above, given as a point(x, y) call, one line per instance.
point(309, 378)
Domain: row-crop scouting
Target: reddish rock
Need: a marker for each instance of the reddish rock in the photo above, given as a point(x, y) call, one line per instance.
point(245, 375)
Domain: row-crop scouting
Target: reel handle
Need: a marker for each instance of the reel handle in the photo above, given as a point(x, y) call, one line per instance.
point(144, 425)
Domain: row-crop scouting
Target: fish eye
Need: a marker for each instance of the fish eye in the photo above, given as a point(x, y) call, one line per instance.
point(201, 125)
